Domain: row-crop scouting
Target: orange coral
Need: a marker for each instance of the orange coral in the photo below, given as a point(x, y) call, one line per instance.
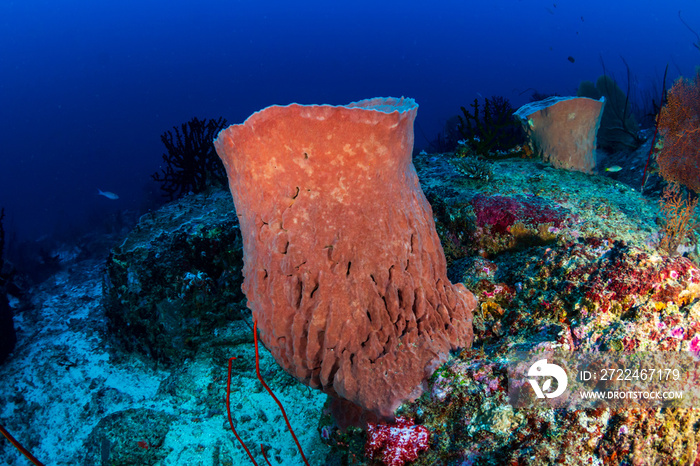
point(679, 160)
point(677, 218)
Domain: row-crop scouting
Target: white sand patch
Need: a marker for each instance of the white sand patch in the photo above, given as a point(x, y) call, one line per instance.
point(63, 381)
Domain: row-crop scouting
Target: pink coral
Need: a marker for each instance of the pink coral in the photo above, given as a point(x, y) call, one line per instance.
point(397, 443)
point(695, 345)
point(502, 212)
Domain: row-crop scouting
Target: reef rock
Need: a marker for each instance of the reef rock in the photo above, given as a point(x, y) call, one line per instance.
point(8, 337)
point(176, 278)
point(343, 268)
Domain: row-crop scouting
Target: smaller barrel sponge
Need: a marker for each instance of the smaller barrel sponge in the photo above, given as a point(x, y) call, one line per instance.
point(343, 268)
point(563, 130)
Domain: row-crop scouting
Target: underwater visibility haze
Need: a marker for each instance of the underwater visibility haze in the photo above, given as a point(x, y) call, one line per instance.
point(88, 88)
point(548, 201)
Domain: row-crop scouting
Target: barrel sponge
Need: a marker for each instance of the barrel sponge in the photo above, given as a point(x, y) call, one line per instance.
point(343, 268)
point(563, 130)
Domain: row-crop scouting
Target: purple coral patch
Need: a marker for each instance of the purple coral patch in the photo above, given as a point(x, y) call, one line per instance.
point(501, 212)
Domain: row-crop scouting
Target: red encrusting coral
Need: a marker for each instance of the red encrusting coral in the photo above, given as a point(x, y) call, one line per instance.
point(501, 212)
point(397, 443)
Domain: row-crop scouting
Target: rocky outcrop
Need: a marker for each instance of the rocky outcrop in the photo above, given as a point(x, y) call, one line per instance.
point(176, 278)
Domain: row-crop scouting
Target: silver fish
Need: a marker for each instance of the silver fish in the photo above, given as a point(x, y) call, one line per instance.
point(107, 194)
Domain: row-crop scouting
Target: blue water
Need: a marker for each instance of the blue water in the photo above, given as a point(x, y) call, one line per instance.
point(87, 87)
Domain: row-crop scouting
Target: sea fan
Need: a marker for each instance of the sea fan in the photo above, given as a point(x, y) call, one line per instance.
point(679, 124)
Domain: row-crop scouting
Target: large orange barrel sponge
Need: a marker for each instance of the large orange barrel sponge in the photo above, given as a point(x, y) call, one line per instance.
point(563, 130)
point(343, 268)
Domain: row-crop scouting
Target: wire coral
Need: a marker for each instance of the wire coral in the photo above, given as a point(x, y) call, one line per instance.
point(191, 161)
point(679, 124)
point(269, 390)
point(19, 447)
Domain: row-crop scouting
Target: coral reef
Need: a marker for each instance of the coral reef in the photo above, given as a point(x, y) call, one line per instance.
point(343, 269)
point(597, 282)
point(679, 125)
point(191, 163)
point(592, 295)
point(505, 223)
point(490, 225)
point(490, 130)
point(598, 285)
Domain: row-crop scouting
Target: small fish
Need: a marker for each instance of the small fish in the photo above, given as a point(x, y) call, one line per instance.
point(571, 59)
point(107, 194)
point(613, 169)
